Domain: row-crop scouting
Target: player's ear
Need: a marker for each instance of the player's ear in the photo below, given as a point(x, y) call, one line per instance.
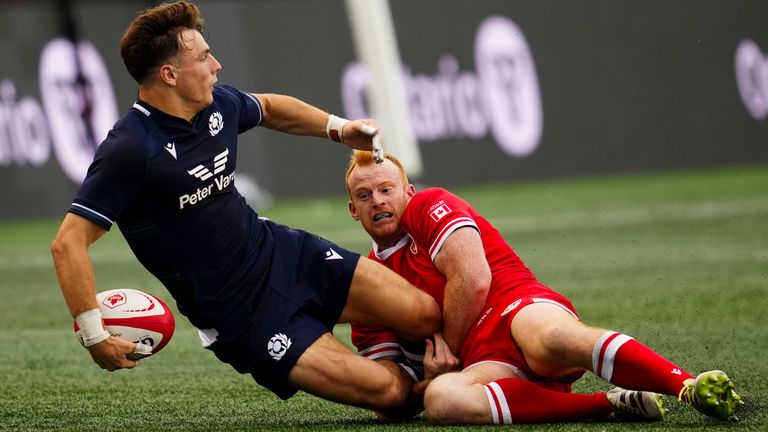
point(410, 191)
point(168, 74)
point(353, 211)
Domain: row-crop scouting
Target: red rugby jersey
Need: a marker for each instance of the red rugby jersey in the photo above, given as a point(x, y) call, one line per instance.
point(430, 217)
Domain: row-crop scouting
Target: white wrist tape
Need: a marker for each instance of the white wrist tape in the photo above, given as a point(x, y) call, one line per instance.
point(91, 328)
point(334, 128)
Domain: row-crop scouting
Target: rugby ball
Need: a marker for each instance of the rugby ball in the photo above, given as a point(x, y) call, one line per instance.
point(136, 316)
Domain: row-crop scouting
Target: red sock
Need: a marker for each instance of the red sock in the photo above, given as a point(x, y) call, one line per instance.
point(514, 400)
point(623, 361)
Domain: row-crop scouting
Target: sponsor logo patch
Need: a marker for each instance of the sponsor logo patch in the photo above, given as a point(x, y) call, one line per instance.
point(203, 173)
point(219, 163)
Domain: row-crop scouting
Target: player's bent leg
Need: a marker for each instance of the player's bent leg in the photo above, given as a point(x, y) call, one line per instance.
point(378, 295)
point(554, 343)
point(461, 398)
point(329, 370)
point(455, 398)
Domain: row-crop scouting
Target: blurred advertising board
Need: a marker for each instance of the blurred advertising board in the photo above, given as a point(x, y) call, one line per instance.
point(497, 90)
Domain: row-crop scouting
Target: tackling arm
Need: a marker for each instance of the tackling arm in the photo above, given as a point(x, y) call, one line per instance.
point(462, 260)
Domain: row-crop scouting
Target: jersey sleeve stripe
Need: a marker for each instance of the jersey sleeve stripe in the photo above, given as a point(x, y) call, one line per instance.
point(447, 230)
point(394, 345)
point(91, 215)
point(258, 104)
point(384, 353)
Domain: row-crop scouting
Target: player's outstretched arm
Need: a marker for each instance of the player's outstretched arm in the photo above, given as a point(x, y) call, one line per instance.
point(76, 279)
point(290, 115)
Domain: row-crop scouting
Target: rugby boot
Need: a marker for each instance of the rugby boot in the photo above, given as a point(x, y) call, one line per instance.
point(712, 394)
point(631, 405)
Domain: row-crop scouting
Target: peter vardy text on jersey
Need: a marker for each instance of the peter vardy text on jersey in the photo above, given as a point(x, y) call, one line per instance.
point(201, 194)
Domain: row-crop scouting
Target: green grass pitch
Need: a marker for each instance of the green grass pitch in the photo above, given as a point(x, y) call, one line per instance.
point(677, 260)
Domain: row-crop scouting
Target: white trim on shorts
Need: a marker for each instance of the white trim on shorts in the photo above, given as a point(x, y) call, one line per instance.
point(520, 374)
point(546, 300)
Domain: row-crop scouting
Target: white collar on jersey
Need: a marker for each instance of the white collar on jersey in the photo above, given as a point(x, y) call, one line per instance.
point(386, 253)
point(141, 108)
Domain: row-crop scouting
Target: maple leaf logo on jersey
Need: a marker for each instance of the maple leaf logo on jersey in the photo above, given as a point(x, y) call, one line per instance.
point(440, 212)
point(215, 123)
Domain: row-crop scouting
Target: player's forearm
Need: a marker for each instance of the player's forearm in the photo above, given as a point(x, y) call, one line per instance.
point(74, 270)
point(293, 116)
point(76, 279)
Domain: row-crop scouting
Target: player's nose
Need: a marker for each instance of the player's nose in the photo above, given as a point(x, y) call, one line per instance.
point(378, 200)
point(216, 64)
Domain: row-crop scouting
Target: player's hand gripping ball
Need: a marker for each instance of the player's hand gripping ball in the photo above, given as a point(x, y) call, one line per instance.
point(136, 316)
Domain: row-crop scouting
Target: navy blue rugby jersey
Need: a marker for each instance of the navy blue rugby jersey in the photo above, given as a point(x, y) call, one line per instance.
point(169, 186)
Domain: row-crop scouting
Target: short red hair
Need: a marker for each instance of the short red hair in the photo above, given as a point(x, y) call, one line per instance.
point(361, 158)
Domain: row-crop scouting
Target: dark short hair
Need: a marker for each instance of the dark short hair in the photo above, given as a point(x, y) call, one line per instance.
point(152, 38)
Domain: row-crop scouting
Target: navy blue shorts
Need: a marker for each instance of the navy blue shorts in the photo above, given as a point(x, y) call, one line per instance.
point(305, 293)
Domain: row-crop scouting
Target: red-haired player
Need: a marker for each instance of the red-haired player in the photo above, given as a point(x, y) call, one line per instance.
point(521, 344)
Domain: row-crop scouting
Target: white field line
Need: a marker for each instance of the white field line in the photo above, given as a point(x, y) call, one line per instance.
point(509, 224)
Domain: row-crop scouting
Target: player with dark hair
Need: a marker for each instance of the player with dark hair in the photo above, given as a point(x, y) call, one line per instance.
point(263, 296)
point(521, 344)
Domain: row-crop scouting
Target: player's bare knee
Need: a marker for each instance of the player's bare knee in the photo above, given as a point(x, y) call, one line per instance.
point(557, 351)
point(554, 339)
point(446, 401)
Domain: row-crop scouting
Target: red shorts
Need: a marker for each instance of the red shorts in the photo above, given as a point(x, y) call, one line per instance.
point(490, 340)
